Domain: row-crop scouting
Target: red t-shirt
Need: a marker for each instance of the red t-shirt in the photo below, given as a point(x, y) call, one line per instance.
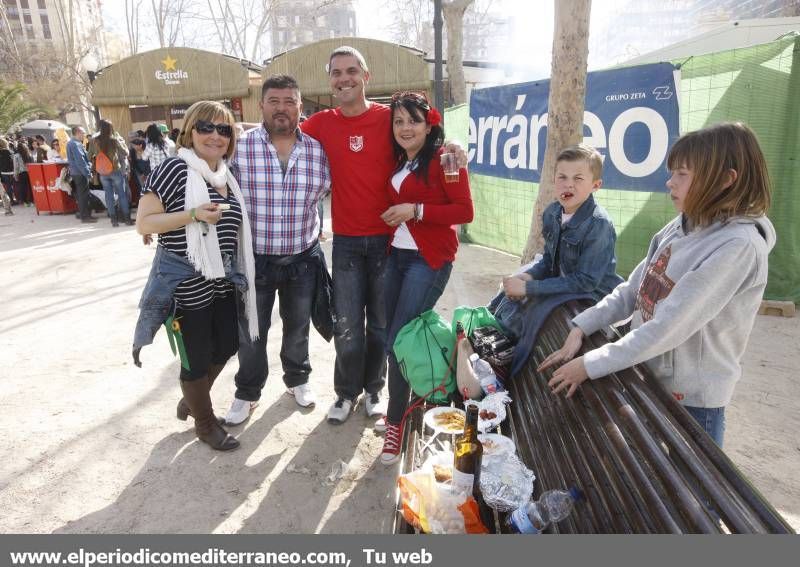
point(359, 150)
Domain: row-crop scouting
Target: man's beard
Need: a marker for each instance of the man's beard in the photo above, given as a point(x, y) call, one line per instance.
point(284, 126)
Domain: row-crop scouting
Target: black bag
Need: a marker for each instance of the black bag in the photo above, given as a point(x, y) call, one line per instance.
point(493, 346)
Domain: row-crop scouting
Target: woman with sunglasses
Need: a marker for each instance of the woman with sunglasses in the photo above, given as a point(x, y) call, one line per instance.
point(425, 206)
point(204, 253)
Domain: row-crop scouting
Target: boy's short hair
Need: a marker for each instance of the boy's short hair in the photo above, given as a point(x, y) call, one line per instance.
point(347, 50)
point(583, 152)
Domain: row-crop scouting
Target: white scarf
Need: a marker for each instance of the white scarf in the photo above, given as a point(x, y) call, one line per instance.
point(203, 251)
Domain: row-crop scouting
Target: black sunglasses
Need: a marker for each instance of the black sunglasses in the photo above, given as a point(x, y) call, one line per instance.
point(205, 127)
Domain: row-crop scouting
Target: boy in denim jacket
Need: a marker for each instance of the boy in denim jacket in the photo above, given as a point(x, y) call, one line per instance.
point(579, 238)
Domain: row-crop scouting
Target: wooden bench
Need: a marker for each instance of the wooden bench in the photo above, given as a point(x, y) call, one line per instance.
point(643, 463)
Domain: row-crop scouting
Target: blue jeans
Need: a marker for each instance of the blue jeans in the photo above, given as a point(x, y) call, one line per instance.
point(295, 285)
point(412, 287)
point(358, 290)
point(712, 420)
point(115, 183)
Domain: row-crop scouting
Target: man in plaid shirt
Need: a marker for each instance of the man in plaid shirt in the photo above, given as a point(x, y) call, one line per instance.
point(283, 175)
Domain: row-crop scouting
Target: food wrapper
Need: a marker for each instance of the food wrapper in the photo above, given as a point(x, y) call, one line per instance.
point(506, 483)
point(491, 410)
point(434, 508)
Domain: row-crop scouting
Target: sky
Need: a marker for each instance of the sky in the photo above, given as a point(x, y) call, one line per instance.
point(532, 39)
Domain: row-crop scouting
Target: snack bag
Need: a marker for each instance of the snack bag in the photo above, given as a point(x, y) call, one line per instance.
point(434, 508)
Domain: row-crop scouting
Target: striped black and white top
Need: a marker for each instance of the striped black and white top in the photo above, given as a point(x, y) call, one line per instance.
point(168, 183)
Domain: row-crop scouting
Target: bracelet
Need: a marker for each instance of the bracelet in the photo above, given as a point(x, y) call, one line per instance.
point(416, 212)
point(193, 214)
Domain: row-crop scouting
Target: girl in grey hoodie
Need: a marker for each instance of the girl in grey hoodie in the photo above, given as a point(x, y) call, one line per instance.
point(694, 298)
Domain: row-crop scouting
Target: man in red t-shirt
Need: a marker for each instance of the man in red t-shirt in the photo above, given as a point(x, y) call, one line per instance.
point(357, 138)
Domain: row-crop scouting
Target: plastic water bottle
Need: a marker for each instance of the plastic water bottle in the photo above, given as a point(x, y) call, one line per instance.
point(486, 376)
point(552, 507)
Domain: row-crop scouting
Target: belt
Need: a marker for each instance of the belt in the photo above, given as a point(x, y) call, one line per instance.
point(289, 259)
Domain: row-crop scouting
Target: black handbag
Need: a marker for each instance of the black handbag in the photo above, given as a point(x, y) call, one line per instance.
point(493, 346)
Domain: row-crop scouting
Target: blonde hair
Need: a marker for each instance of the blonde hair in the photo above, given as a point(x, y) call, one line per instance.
point(583, 152)
point(710, 153)
point(210, 111)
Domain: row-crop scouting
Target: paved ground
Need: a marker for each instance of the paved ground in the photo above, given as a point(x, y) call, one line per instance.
point(91, 445)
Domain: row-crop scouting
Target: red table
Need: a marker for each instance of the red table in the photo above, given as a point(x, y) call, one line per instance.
point(60, 202)
point(39, 187)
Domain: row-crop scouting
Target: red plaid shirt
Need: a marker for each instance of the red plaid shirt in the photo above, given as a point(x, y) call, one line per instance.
point(282, 207)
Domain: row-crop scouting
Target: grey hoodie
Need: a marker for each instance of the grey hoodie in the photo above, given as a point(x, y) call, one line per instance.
point(694, 299)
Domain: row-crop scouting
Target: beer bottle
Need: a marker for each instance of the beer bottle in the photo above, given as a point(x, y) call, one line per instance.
point(468, 455)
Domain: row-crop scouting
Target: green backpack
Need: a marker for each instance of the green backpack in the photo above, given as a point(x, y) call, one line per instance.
point(425, 352)
point(472, 318)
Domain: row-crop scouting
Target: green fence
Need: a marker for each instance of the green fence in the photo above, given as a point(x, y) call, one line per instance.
point(758, 85)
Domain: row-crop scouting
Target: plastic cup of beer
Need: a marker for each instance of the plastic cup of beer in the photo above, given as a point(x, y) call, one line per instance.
point(450, 167)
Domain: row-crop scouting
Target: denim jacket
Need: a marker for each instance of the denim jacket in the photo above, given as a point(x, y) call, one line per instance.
point(583, 250)
point(169, 270)
point(78, 160)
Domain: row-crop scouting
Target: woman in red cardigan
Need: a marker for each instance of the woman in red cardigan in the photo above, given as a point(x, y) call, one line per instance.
point(423, 246)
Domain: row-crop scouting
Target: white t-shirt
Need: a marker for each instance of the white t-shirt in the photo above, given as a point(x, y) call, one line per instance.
point(402, 236)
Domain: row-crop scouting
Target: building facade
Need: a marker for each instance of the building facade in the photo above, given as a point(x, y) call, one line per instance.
point(301, 22)
point(55, 34)
point(53, 24)
point(631, 28)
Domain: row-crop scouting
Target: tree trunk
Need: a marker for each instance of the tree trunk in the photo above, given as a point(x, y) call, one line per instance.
point(453, 13)
point(565, 104)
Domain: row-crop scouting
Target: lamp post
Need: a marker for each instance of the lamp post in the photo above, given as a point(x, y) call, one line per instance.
point(91, 64)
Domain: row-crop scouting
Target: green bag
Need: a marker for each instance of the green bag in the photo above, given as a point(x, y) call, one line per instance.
point(425, 352)
point(472, 318)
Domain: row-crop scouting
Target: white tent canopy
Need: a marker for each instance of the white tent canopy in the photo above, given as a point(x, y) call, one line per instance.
point(46, 128)
point(731, 35)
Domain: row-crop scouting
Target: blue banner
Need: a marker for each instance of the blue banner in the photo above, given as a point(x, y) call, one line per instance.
point(631, 117)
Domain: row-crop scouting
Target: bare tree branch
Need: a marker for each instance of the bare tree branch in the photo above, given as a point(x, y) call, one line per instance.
point(132, 24)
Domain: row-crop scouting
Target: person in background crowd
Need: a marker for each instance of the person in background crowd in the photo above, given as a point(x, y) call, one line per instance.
point(424, 209)
point(283, 175)
point(140, 168)
point(171, 149)
point(173, 135)
point(157, 147)
point(54, 153)
point(193, 202)
point(23, 183)
point(109, 156)
point(6, 176)
point(80, 169)
point(41, 148)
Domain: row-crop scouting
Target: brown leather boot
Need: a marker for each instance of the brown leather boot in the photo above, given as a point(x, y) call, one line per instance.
point(183, 410)
point(196, 393)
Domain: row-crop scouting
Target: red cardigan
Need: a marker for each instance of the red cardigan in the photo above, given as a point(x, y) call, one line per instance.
point(446, 204)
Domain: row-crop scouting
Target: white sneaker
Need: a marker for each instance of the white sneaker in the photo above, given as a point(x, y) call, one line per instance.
point(375, 406)
point(380, 425)
point(340, 411)
point(240, 411)
point(303, 395)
